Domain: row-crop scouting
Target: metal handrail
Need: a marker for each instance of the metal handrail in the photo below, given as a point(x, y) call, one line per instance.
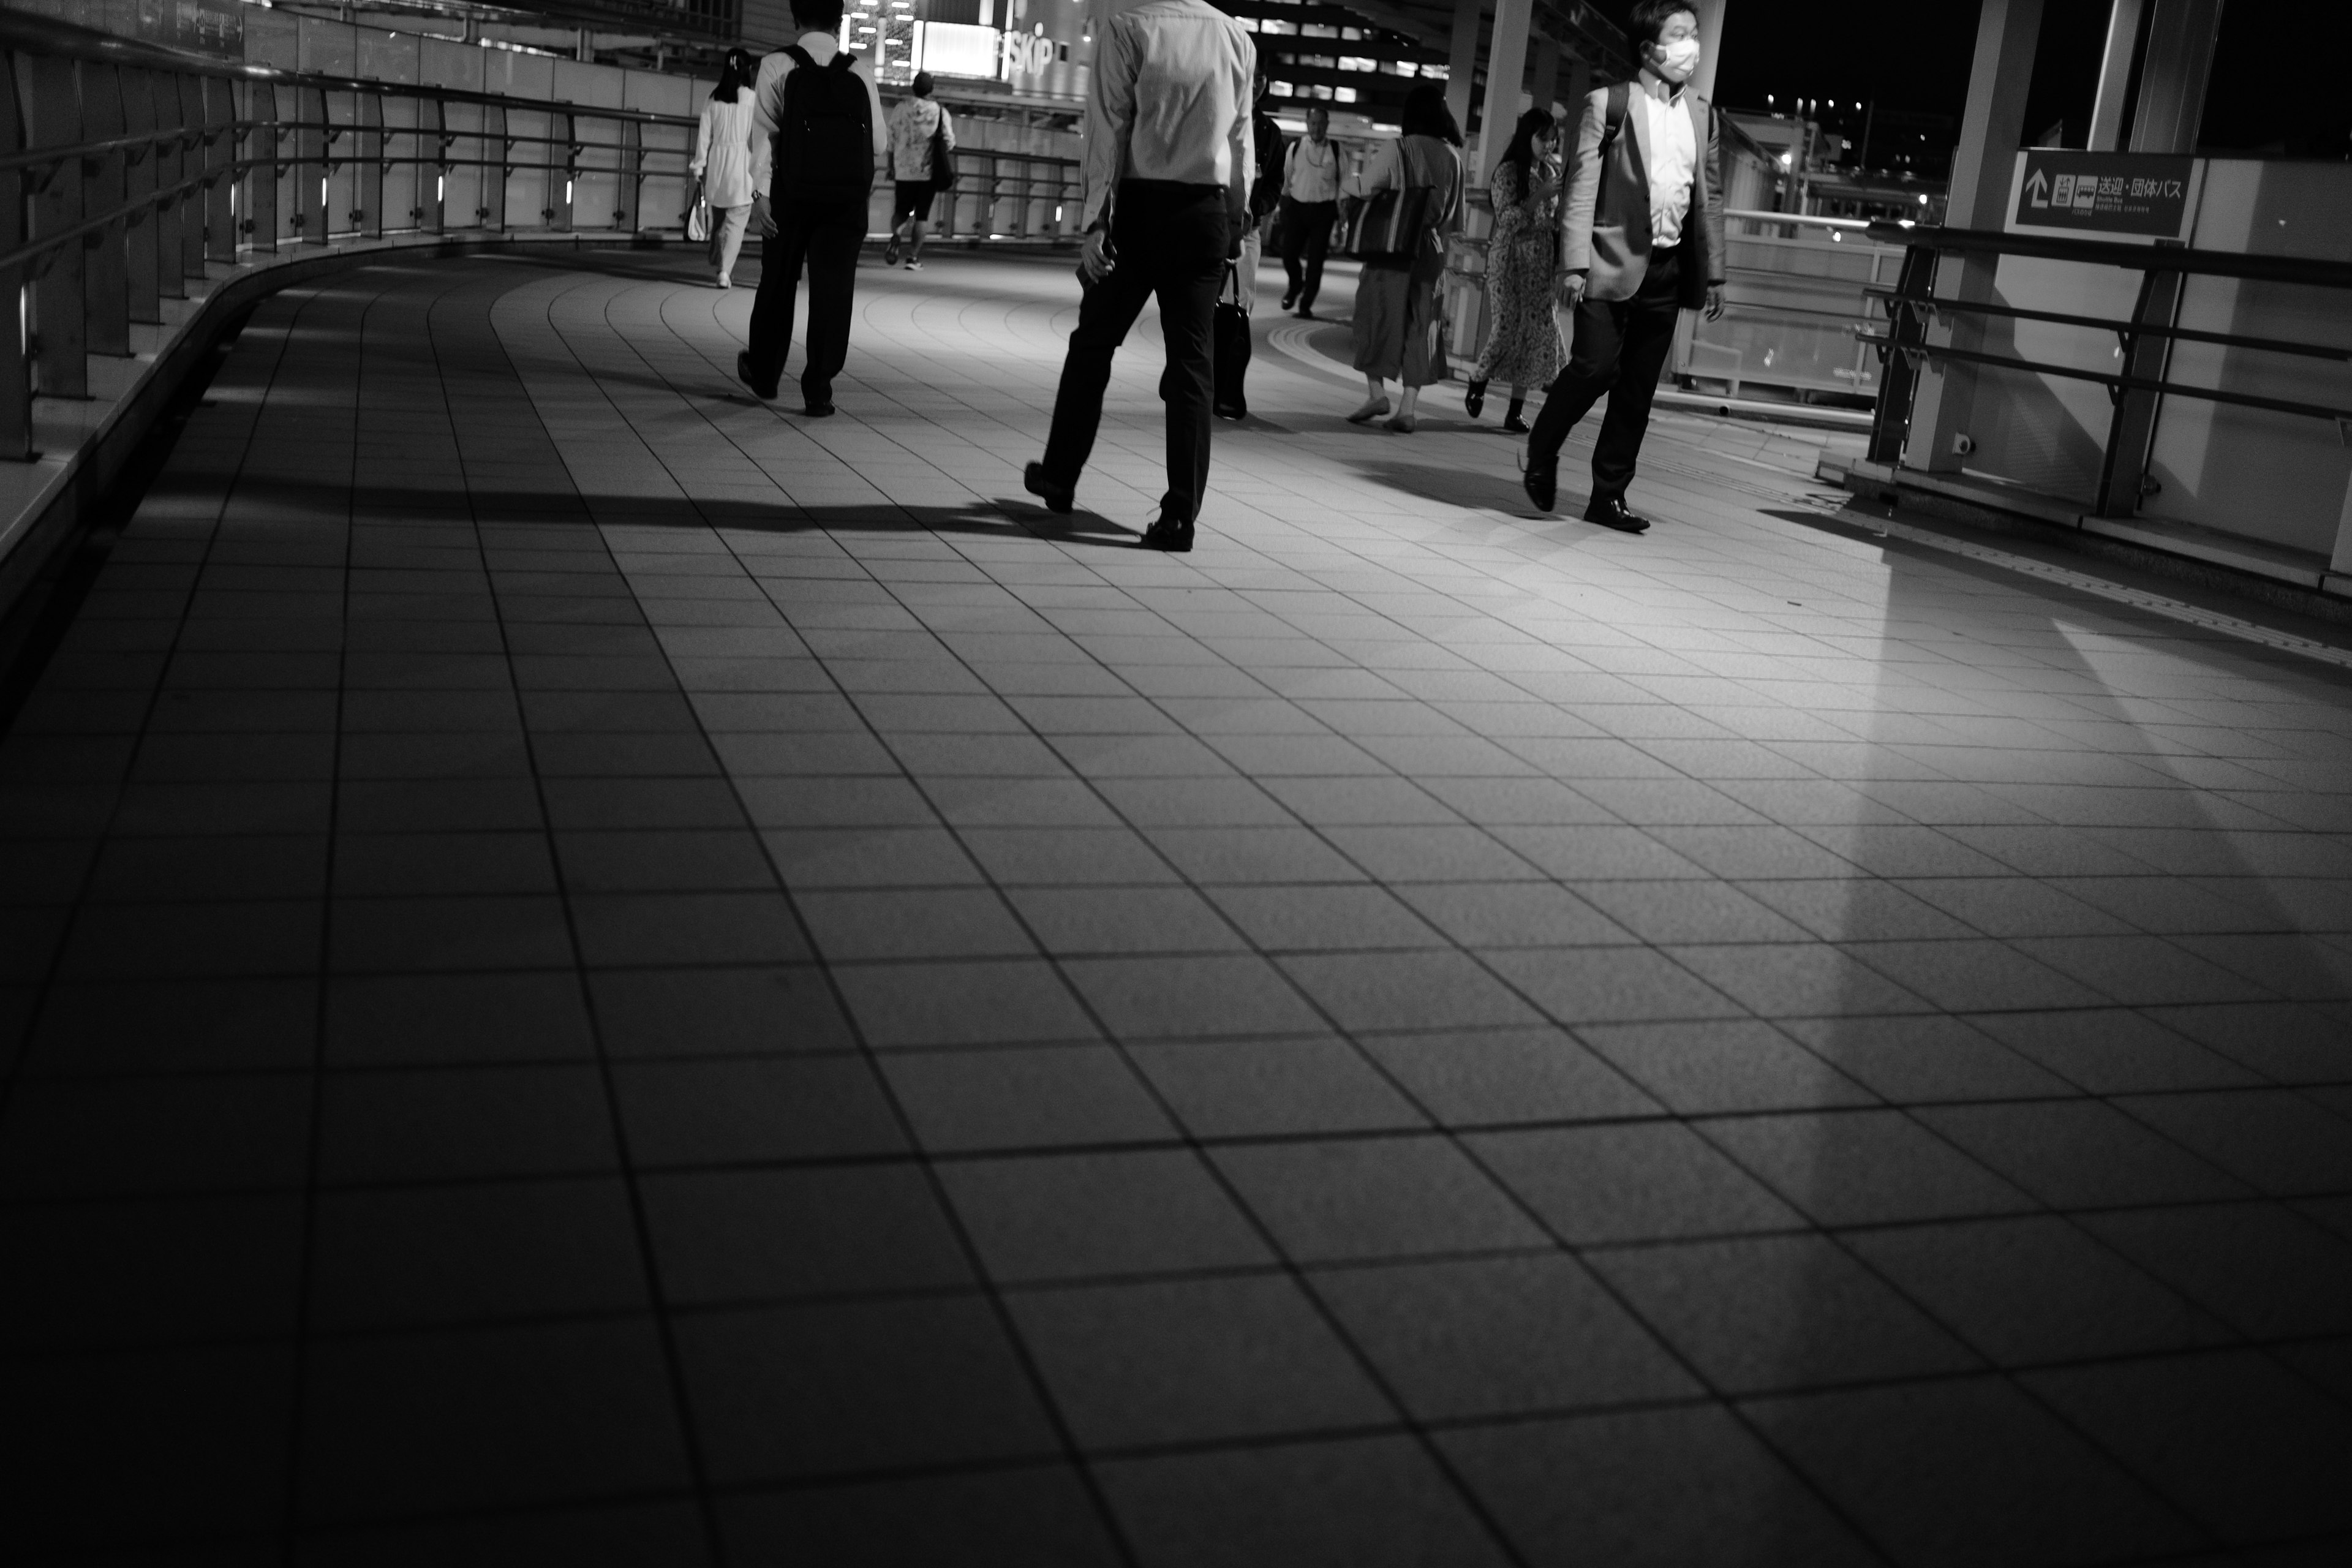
point(2116, 384)
point(2121, 329)
point(2177, 259)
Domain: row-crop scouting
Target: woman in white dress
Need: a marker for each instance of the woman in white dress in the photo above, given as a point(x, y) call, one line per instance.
point(722, 160)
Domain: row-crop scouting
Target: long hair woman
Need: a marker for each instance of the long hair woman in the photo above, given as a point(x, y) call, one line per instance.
point(1523, 347)
point(1396, 302)
point(722, 160)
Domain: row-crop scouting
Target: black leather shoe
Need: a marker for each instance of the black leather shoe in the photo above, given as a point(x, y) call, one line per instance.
point(1610, 512)
point(1542, 478)
point(1288, 301)
point(1306, 313)
point(1227, 410)
point(1473, 399)
point(817, 411)
point(1168, 533)
point(1058, 497)
point(766, 394)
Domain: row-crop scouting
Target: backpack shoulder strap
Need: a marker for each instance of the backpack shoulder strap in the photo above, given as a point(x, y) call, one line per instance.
point(801, 57)
point(842, 61)
point(1621, 98)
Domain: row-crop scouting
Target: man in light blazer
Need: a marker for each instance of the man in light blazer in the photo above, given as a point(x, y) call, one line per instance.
point(1641, 240)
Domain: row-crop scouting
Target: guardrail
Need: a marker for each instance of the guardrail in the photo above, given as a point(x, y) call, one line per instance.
point(1912, 308)
point(1031, 182)
point(126, 167)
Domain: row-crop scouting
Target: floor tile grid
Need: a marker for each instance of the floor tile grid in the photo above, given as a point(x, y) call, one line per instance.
point(1236, 1196)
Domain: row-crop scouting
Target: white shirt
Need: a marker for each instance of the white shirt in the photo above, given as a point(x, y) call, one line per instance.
point(767, 102)
point(1170, 101)
point(1309, 175)
point(722, 151)
point(1673, 146)
point(911, 125)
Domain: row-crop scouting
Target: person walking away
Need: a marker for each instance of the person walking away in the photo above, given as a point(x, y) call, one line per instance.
point(1310, 206)
point(913, 124)
point(1396, 302)
point(1523, 344)
point(1265, 194)
point(816, 130)
point(1167, 179)
point(1641, 240)
point(722, 160)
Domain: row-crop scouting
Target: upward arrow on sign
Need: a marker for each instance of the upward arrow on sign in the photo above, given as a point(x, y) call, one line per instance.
point(2038, 189)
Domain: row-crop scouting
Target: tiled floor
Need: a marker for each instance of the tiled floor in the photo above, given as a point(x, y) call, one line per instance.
point(597, 974)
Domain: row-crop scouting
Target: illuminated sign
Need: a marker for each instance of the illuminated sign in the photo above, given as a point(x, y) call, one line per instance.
point(958, 49)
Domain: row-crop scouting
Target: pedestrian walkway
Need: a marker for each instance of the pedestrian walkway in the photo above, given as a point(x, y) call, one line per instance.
point(594, 972)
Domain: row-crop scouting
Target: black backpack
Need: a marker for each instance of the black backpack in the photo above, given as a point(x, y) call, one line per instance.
point(824, 139)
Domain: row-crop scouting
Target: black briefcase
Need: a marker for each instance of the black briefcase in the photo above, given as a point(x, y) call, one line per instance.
point(1230, 347)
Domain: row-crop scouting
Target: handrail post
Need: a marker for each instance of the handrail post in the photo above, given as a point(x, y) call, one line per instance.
point(141, 257)
point(220, 162)
point(367, 158)
point(2123, 468)
point(162, 91)
point(561, 130)
point(261, 175)
point(106, 289)
point(433, 127)
point(632, 176)
point(16, 364)
point(310, 166)
point(189, 88)
point(497, 170)
point(1899, 381)
point(58, 316)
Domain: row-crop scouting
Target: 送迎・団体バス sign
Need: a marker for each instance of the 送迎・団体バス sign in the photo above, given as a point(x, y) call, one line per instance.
point(2105, 195)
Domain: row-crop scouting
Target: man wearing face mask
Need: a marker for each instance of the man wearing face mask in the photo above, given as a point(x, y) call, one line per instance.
point(1641, 240)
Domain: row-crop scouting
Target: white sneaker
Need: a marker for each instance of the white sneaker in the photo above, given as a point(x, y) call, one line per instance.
point(912, 265)
point(725, 283)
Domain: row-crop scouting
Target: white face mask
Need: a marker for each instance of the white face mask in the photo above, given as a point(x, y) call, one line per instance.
point(1675, 61)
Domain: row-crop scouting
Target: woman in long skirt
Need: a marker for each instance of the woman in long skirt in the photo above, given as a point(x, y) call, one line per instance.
point(1523, 347)
point(722, 160)
point(1396, 302)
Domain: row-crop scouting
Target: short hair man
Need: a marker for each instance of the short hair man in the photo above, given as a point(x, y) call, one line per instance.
point(820, 232)
point(912, 125)
point(1310, 204)
point(1641, 240)
point(1167, 172)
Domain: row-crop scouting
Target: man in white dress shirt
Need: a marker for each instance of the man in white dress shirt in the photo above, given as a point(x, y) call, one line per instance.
point(1168, 171)
point(1641, 241)
point(821, 230)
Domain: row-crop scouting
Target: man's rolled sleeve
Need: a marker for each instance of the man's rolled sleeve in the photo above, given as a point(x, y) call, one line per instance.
point(1583, 186)
point(1110, 118)
point(766, 107)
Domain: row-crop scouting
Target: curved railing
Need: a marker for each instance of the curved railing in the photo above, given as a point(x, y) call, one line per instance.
point(127, 167)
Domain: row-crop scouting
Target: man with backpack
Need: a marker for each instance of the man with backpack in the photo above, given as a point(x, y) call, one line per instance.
point(1167, 178)
point(816, 132)
point(1641, 241)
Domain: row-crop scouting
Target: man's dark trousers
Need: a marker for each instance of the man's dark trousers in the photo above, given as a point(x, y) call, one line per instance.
point(1305, 230)
point(823, 237)
point(1169, 240)
point(1619, 345)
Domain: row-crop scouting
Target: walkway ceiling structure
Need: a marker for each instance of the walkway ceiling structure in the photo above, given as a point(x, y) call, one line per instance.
point(1577, 27)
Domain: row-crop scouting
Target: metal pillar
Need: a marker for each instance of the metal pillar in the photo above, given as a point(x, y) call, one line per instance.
point(2115, 76)
point(16, 364)
point(1710, 44)
point(1506, 68)
point(106, 287)
point(2173, 74)
point(1991, 131)
point(1462, 61)
point(60, 325)
point(1543, 79)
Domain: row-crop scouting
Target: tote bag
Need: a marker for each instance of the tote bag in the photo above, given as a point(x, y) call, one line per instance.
point(943, 162)
point(697, 219)
point(1388, 226)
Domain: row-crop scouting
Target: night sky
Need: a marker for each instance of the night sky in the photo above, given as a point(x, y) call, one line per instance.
point(1915, 54)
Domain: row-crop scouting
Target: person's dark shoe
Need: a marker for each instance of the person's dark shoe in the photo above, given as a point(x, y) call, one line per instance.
point(1306, 313)
point(1227, 410)
point(819, 410)
point(1289, 300)
point(1515, 425)
point(1058, 497)
point(1473, 399)
point(1172, 534)
point(1610, 512)
point(891, 252)
point(765, 393)
point(1542, 478)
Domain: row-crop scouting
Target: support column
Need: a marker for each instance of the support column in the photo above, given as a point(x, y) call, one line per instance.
point(1710, 44)
point(1462, 61)
point(2114, 76)
point(2173, 75)
point(1543, 82)
point(1991, 131)
point(1580, 86)
point(1506, 68)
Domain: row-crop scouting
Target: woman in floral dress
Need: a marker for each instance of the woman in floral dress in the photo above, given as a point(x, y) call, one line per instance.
point(1524, 348)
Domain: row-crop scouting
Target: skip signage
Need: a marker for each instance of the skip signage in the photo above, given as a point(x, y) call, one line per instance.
point(2113, 195)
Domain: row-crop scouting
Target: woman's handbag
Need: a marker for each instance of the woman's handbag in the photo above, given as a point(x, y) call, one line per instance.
point(943, 163)
point(697, 218)
point(1390, 225)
